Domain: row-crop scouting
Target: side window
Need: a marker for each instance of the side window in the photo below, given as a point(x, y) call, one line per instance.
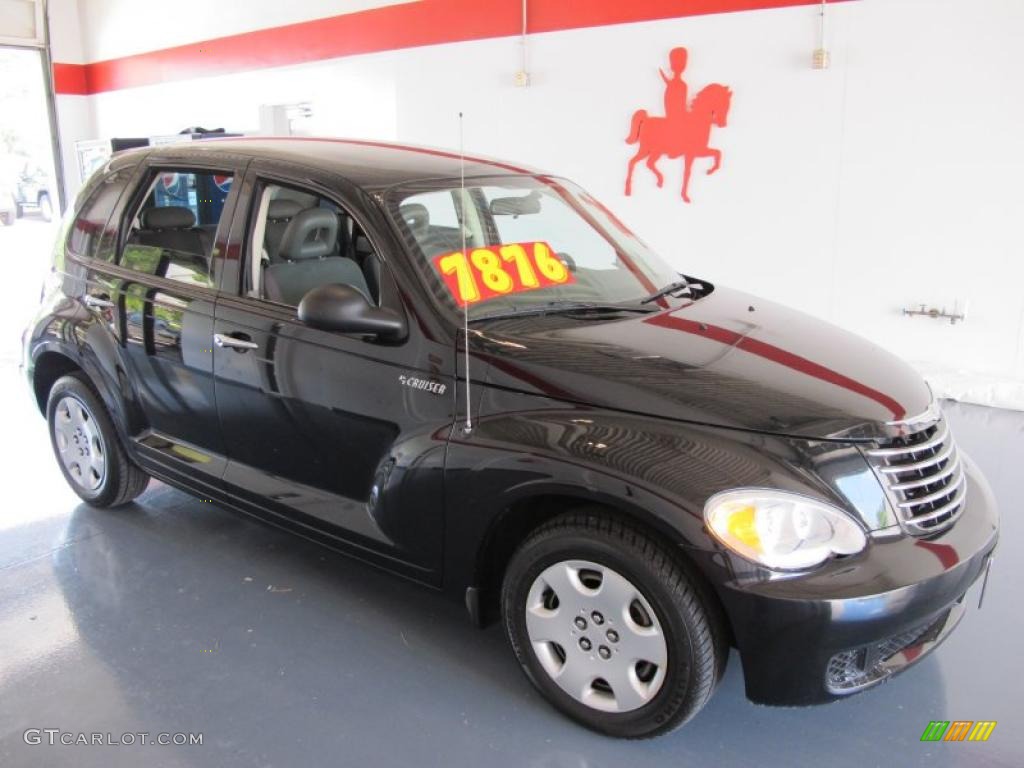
point(90, 233)
point(173, 229)
point(299, 240)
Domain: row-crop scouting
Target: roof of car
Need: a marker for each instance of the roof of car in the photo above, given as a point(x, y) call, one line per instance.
point(369, 164)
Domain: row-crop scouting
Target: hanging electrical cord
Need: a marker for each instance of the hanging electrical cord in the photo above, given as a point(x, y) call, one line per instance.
point(523, 75)
point(820, 60)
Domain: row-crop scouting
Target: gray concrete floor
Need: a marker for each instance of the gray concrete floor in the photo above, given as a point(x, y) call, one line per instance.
point(174, 616)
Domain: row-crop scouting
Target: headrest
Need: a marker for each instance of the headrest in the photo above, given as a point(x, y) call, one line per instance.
point(282, 208)
point(170, 217)
point(304, 199)
point(309, 235)
point(415, 215)
point(362, 245)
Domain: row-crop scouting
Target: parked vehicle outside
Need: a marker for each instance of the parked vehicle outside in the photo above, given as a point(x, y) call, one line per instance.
point(33, 191)
point(8, 207)
point(494, 388)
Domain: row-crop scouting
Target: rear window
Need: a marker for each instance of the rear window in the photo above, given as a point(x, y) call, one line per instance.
point(202, 193)
point(174, 227)
point(93, 234)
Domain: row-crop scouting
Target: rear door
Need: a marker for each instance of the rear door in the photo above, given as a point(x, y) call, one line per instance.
point(172, 243)
point(329, 432)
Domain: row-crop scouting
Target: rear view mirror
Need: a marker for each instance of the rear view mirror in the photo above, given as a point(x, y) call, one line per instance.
point(516, 206)
point(340, 307)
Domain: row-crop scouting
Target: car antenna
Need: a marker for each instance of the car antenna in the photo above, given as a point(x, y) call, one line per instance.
point(467, 428)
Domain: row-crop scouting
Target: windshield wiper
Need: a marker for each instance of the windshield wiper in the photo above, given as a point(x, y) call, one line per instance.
point(560, 308)
point(671, 288)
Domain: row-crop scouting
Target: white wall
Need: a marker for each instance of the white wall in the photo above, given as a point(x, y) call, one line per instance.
point(115, 28)
point(74, 113)
point(891, 179)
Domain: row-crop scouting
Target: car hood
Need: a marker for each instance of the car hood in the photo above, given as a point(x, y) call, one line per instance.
point(729, 359)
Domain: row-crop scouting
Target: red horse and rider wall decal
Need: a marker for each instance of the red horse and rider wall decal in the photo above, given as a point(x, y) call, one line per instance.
point(685, 130)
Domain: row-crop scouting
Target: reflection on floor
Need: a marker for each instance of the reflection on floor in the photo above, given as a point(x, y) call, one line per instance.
point(172, 616)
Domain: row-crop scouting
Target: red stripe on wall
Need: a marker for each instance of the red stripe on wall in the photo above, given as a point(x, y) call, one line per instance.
point(778, 355)
point(70, 79)
point(554, 15)
point(427, 22)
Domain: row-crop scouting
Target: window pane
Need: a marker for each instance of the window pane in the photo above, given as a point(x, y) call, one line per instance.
point(92, 221)
point(299, 241)
point(173, 231)
point(582, 252)
point(202, 193)
point(557, 221)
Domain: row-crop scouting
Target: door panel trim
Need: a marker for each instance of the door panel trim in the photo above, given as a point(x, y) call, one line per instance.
point(153, 281)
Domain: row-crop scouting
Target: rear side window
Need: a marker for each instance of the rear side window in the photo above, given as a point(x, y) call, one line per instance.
point(174, 226)
point(93, 234)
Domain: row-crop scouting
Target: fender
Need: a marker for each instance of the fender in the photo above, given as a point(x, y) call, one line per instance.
point(541, 452)
point(65, 327)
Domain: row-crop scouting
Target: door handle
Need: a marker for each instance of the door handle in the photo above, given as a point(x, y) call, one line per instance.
point(98, 302)
point(235, 342)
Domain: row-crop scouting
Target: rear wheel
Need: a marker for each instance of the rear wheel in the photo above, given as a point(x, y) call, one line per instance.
point(87, 448)
point(7, 219)
point(610, 628)
point(45, 207)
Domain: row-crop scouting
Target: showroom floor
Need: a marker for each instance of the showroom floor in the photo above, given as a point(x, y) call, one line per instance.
point(174, 616)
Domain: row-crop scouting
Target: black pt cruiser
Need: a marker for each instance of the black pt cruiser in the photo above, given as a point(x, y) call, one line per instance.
point(492, 387)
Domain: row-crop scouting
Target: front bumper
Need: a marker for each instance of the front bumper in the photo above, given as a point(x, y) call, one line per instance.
point(810, 638)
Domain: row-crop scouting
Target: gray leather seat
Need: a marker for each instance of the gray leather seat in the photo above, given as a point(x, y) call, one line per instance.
point(173, 228)
point(371, 266)
point(417, 216)
point(307, 259)
point(279, 213)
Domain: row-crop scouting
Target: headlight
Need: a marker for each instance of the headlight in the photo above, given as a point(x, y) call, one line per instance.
point(781, 530)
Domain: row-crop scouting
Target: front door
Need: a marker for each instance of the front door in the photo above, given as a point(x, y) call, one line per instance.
point(322, 429)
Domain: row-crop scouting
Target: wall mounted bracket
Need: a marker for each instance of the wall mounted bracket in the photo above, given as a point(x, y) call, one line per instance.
point(935, 314)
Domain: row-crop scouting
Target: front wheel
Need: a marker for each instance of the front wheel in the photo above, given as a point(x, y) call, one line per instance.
point(87, 447)
point(609, 626)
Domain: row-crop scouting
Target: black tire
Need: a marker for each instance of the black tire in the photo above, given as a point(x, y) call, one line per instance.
point(7, 219)
point(689, 618)
point(122, 480)
point(18, 211)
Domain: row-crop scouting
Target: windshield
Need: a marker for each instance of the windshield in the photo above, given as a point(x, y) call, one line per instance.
point(530, 242)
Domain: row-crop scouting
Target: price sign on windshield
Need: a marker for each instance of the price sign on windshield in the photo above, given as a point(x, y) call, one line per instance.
point(479, 274)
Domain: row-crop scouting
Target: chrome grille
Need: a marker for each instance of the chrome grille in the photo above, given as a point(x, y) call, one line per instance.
point(923, 477)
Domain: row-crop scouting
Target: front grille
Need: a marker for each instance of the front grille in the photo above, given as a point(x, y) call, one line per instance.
point(852, 670)
point(924, 478)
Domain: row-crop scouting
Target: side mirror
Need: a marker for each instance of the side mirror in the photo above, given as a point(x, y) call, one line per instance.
point(340, 307)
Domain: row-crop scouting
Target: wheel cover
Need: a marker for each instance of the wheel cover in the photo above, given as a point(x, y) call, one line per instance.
point(596, 636)
point(80, 443)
